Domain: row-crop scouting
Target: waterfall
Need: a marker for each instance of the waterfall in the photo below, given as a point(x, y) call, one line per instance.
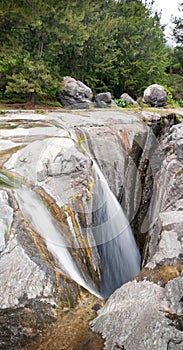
point(120, 257)
point(41, 220)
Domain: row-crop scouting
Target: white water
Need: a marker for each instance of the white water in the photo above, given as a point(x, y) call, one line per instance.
point(120, 257)
point(40, 218)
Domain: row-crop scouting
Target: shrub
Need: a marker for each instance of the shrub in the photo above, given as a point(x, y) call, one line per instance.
point(170, 100)
point(121, 103)
point(180, 102)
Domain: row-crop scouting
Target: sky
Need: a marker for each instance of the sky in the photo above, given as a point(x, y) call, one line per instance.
point(168, 7)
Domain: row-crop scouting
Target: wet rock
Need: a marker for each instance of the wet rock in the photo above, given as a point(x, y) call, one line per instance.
point(27, 292)
point(24, 271)
point(6, 217)
point(71, 330)
point(166, 210)
point(155, 96)
point(20, 325)
point(118, 143)
point(146, 315)
point(75, 94)
point(161, 273)
point(134, 318)
point(163, 220)
point(128, 98)
point(104, 100)
point(31, 290)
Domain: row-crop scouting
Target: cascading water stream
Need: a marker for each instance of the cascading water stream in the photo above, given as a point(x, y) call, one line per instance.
point(120, 257)
point(119, 254)
point(35, 211)
point(40, 218)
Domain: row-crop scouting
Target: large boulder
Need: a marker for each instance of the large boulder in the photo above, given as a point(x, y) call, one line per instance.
point(128, 98)
point(75, 94)
point(104, 100)
point(155, 96)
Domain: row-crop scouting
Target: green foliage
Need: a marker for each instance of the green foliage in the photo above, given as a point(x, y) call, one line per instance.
point(39, 111)
point(170, 100)
point(7, 232)
point(175, 64)
point(7, 180)
point(175, 72)
point(12, 97)
point(33, 78)
point(121, 103)
point(80, 142)
point(178, 27)
point(115, 46)
point(180, 102)
point(50, 103)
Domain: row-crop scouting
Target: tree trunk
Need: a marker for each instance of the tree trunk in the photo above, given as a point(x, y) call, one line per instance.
point(40, 48)
point(32, 98)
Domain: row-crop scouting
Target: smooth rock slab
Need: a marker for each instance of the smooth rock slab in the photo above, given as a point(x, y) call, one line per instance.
point(43, 158)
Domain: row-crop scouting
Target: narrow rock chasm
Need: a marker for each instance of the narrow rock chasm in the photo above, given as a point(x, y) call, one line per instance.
point(140, 157)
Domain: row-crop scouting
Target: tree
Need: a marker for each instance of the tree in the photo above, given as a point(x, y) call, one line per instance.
point(38, 33)
point(26, 31)
point(175, 67)
point(178, 27)
point(33, 79)
point(141, 47)
point(110, 45)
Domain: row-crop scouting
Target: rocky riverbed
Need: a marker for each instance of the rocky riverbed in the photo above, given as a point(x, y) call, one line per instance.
point(46, 187)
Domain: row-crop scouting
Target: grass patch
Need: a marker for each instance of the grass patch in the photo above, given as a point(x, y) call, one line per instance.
point(7, 180)
point(7, 232)
point(39, 111)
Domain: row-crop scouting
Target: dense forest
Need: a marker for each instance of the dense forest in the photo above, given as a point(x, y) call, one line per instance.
point(117, 46)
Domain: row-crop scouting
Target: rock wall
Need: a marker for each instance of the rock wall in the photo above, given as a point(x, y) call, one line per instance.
point(147, 312)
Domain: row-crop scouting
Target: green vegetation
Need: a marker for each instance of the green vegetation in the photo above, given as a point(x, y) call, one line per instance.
point(116, 46)
point(7, 180)
point(168, 90)
point(80, 143)
point(180, 102)
point(175, 63)
point(2, 112)
point(4, 183)
point(7, 232)
point(121, 103)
